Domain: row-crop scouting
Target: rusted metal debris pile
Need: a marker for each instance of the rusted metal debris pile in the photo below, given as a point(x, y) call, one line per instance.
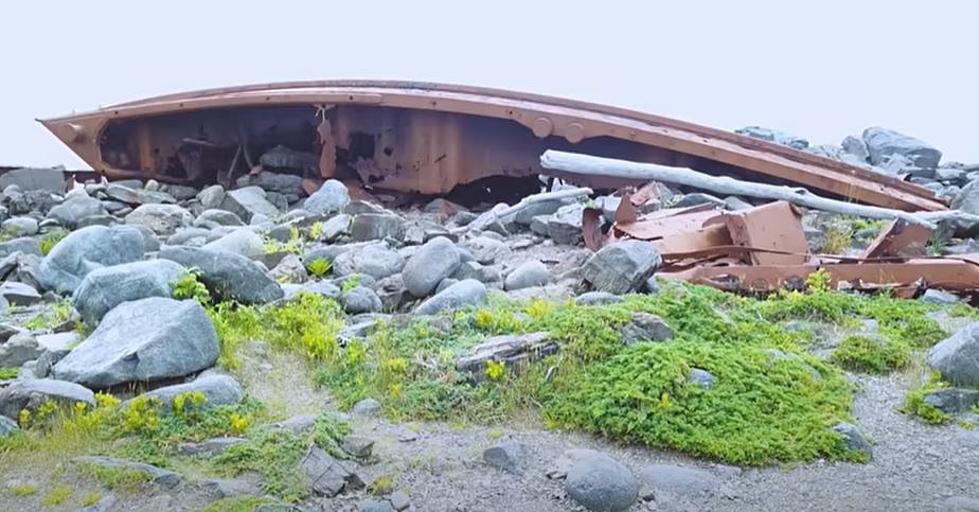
point(426, 138)
point(764, 248)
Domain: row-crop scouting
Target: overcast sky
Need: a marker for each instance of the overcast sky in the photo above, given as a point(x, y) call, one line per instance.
point(822, 71)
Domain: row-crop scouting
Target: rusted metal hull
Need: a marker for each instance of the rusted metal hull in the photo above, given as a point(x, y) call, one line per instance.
point(430, 138)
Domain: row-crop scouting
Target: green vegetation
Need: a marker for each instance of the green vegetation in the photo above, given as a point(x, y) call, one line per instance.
point(328, 433)
point(8, 373)
point(60, 313)
point(319, 267)
point(869, 354)
point(915, 404)
point(274, 454)
point(58, 495)
point(115, 478)
point(91, 499)
point(838, 236)
point(294, 245)
point(51, 238)
point(352, 282)
point(189, 286)
point(22, 490)
point(381, 485)
point(315, 231)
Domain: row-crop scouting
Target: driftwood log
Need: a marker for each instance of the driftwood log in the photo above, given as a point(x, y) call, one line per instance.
point(573, 163)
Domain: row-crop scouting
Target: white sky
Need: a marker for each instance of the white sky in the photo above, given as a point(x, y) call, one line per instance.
point(821, 71)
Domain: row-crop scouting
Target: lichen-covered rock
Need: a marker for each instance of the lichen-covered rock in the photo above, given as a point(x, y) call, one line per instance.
point(144, 340)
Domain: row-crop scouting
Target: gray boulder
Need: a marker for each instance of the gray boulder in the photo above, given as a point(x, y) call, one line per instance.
point(776, 136)
point(376, 260)
point(289, 185)
point(622, 267)
point(334, 227)
point(670, 481)
point(967, 199)
point(19, 226)
point(244, 242)
point(85, 250)
point(564, 226)
point(953, 400)
point(957, 357)
point(430, 264)
point(74, 209)
point(602, 484)
point(464, 293)
point(107, 287)
point(211, 197)
point(130, 195)
point(328, 476)
point(883, 143)
point(529, 273)
point(144, 340)
point(214, 217)
point(856, 147)
point(228, 275)
point(247, 202)
point(645, 327)
point(486, 250)
point(219, 389)
point(163, 219)
point(289, 270)
point(7, 426)
point(19, 294)
point(25, 245)
point(360, 300)
point(509, 456)
point(852, 438)
point(331, 197)
point(377, 226)
point(19, 349)
point(31, 393)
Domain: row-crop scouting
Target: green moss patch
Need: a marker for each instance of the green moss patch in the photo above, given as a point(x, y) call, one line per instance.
point(870, 354)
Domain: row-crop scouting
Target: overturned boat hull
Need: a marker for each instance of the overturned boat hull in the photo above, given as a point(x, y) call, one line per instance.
point(430, 138)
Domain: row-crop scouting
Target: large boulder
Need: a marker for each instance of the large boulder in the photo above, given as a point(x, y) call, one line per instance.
point(957, 357)
point(289, 185)
point(429, 265)
point(622, 267)
point(228, 275)
point(600, 483)
point(163, 219)
point(240, 241)
point(31, 393)
point(19, 349)
point(137, 196)
point(217, 388)
point(376, 260)
point(377, 226)
point(464, 293)
point(143, 340)
point(883, 143)
point(75, 208)
point(529, 273)
point(331, 197)
point(107, 287)
point(85, 250)
point(247, 202)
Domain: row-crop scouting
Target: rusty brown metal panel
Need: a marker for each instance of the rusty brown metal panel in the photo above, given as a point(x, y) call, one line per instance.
point(899, 239)
point(775, 226)
point(559, 123)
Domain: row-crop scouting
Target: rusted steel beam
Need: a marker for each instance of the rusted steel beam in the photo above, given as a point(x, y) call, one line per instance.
point(431, 137)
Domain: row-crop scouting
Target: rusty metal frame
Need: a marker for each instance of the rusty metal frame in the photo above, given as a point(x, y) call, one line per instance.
point(547, 118)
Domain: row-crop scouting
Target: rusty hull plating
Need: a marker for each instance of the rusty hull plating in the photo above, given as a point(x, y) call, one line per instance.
point(429, 138)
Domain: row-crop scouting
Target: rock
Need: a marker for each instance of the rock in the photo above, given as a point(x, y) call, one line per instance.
point(19, 226)
point(213, 218)
point(245, 242)
point(596, 299)
point(19, 294)
point(247, 202)
point(358, 446)
point(882, 143)
point(515, 350)
point(137, 196)
point(374, 505)
point(194, 237)
point(298, 424)
point(529, 273)
point(31, 393)
point(217, 388)
point(953, 400)
point(443, 208)
point(471, 270)
point(163, 219)
point(332, 196)
point(360, 300)
point(564, 226)
point(601, 483)
point(73, 210)
point(335, 227)
point(376, 260)
point(328, 476)
point(161, 477)
point(107, 287)
point(7, 426)
point(776, 136)
point(957, 357)
point(229, 276)
point(211, 197)
point(175, 338)
point(645, 327)
point(622, 267)
point(288, 185)
point(856, 147)
point(30, 178)
point(486, 250)
point(967, 199)
point(695, 198)
point(377, 226)
point(463, 293)
point(669, 481)
point(430, 264)
point(939, 297)
point(24, 245)
point(367, 407)
point(19, 349)
point(702, 378)
point(852, 438)
point(399, 501)
point(328, 290)
point(289, 270)
point(510, 456)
